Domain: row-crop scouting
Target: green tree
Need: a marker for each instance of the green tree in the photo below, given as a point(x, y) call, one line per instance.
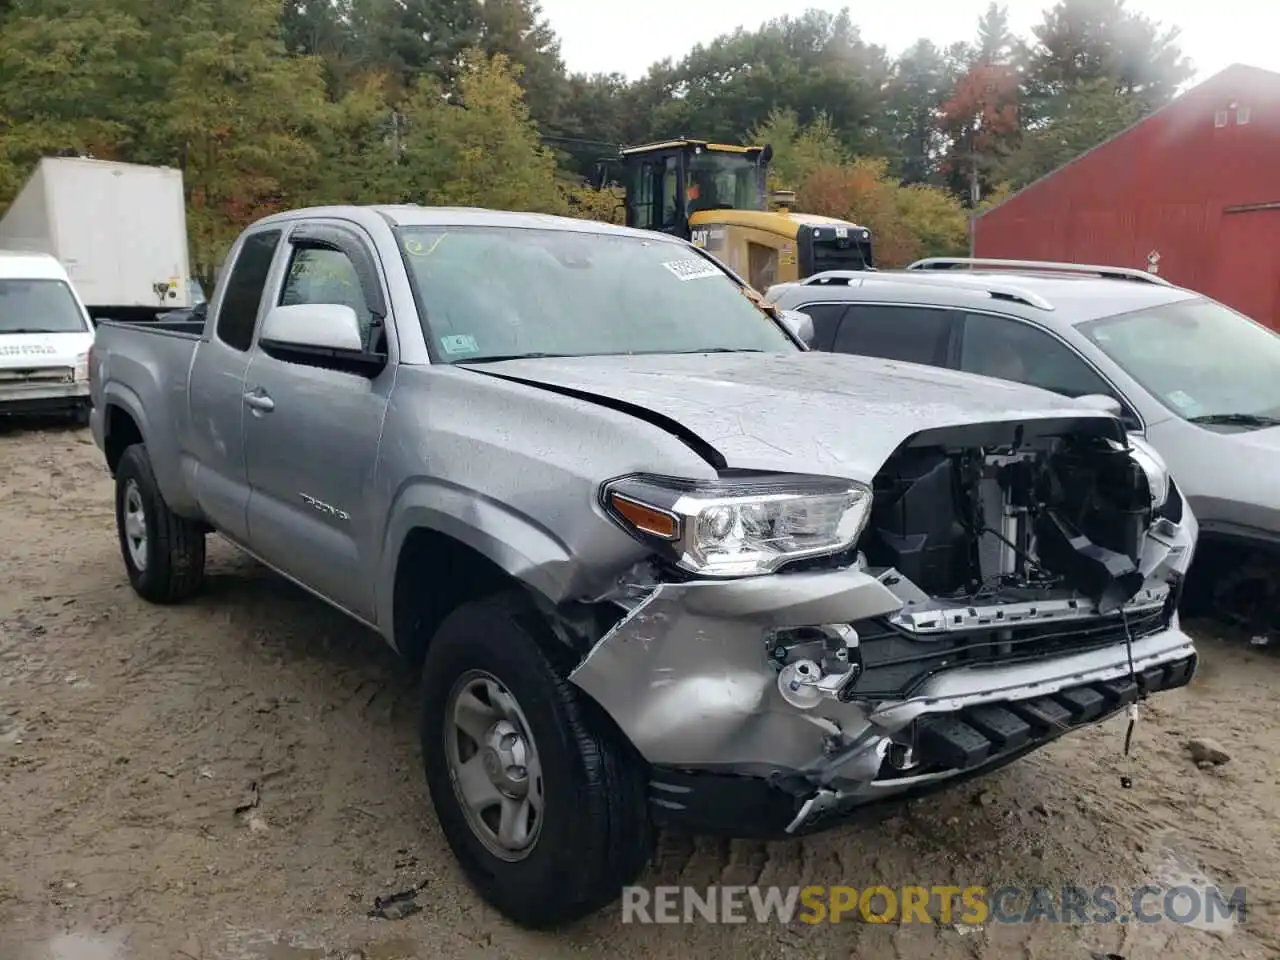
point(1074, 121)
point(923, 78)
point(70, 82)
point(996, 43)
point(798, 150)
point(480, 149)
point(1087, 41)
point(409, 38)
point(814, 63)
point(235, 117)
point(517, 30)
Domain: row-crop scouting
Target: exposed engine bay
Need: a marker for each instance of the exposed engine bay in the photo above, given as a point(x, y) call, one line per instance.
point(1012, 551)
point(1015, 524)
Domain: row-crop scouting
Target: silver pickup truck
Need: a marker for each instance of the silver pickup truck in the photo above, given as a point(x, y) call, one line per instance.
point(659, 564)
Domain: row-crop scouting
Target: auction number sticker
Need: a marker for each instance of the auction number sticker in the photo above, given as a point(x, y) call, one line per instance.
point(692, 269)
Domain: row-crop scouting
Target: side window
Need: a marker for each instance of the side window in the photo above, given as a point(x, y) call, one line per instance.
point(912, 334)
point(238, 313)
point(1011, 350)
point(826, 320)
point(670, 208)
point(322, 275)
point(642, 197)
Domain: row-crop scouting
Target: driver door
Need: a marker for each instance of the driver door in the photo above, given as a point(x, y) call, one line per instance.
point(311, 433)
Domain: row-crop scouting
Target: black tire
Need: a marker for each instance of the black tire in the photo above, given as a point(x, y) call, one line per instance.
point(172, 546)
point(80, 415)
point(595, 836)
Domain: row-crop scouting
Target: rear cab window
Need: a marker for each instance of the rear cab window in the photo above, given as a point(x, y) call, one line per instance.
point(238, 312)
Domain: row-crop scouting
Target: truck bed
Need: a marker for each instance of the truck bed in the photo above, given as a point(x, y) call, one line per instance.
point(180, 326)
point(145, 369)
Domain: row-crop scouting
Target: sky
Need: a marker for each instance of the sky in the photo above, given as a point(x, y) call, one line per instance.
point(626, 36)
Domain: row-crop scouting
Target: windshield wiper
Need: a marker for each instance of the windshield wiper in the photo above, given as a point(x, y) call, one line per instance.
point(723, 350)
point(1236, 420)
point(33, 330)
point(498, 358)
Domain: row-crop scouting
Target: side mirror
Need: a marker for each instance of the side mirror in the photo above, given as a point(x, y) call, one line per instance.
point(200, 312)
point(800, 324)
point(328, 326)
point(325, 335)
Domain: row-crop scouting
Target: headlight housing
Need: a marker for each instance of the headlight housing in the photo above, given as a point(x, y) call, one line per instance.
point(1153, 466)
point(739, 527)
point(80, 372)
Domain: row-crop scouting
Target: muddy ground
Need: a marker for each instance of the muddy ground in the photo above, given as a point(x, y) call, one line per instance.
point(239, 778)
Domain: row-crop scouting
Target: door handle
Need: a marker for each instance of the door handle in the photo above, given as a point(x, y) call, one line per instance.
point(260, 402)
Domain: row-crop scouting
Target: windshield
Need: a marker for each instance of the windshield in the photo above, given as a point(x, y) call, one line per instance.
point(725, 181)
point(39, 306)
point(489, 293)
point(1199, 358)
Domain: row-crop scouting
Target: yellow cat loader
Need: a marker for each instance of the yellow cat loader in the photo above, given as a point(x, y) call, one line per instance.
point(716, 196)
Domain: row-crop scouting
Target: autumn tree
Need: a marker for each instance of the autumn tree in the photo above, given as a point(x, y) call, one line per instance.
point(906, 223)
point(981, 119)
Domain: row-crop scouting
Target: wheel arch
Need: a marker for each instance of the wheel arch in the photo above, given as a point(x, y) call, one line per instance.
point(445, 546)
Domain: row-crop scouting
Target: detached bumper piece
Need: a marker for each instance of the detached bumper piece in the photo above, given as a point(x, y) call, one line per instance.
point(975, 736)
point(947, 749)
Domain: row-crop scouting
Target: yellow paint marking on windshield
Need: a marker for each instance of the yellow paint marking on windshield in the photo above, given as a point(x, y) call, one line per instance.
point(416, 248)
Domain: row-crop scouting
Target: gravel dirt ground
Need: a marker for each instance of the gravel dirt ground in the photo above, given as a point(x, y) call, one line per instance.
point(238, 778)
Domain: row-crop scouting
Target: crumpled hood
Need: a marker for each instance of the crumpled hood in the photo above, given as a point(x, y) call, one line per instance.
point(810, 412)
point(1265, 441)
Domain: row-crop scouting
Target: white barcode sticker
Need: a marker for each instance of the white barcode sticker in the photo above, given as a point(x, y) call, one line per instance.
point(692, 269)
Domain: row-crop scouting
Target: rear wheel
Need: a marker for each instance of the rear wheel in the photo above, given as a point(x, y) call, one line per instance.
point(539, 798)
point(163, 552)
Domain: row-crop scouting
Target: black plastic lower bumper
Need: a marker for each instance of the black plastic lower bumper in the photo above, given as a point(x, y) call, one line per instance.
point(960, 745)
point(45, 406)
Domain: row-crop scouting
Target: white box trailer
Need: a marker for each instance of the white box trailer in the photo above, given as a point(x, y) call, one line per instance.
point(119, 230)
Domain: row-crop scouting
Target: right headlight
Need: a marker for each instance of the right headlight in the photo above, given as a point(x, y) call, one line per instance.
point(1153, 465)
point(740, 527)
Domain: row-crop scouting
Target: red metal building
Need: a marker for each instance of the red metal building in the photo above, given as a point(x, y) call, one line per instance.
point(1194, 188)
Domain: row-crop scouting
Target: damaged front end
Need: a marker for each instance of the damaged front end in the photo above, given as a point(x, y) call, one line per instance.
point(801, 647)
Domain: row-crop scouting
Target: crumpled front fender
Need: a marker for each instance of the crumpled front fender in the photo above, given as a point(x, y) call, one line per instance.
point(686, 675)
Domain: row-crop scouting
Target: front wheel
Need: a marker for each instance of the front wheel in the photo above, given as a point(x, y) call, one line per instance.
point(163, 552)
point(540, 800)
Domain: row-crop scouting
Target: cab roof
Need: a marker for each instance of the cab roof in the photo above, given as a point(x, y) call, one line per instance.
point(30, 265)
point(686, 142)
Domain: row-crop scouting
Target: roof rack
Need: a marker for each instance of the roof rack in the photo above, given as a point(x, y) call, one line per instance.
point(845, 277)
point(996, 291)
point(1106, 273)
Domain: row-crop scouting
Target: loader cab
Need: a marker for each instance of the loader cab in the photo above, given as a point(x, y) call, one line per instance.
point(668, 182)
